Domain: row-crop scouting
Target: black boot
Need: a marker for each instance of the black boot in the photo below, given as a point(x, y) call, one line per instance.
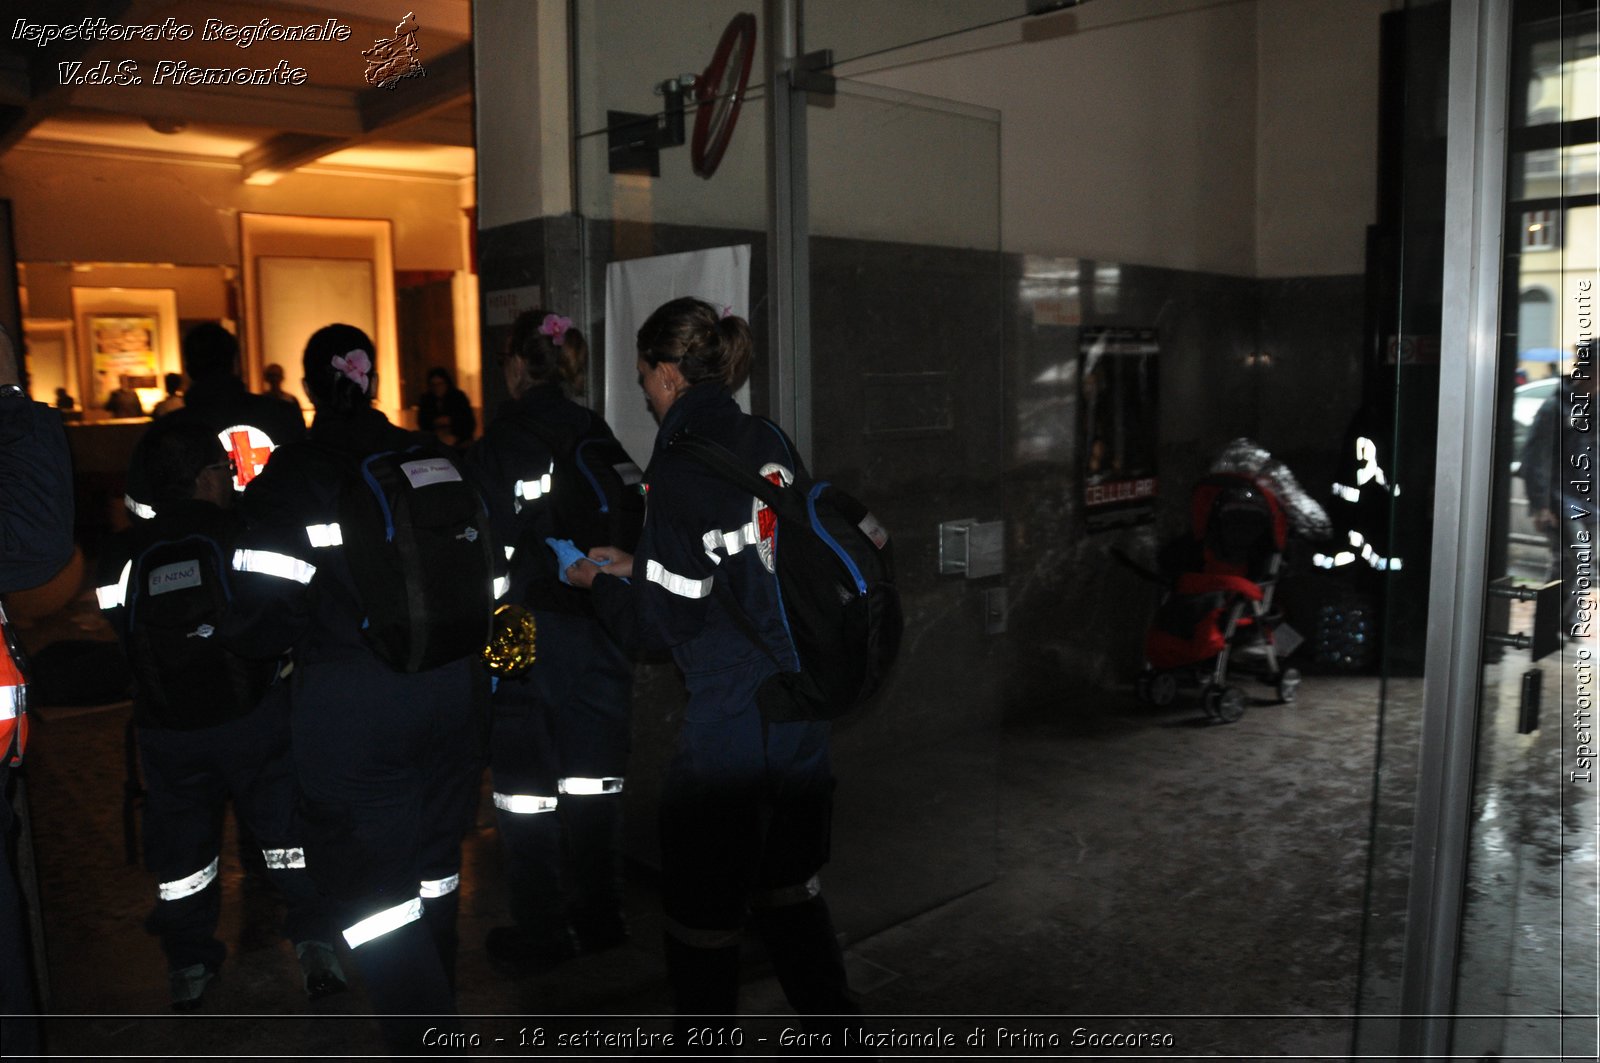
point(805, 953)
point(705, 986)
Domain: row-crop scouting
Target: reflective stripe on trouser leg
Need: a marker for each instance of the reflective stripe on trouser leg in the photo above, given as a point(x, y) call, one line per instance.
point(524, 804)
point(188, 886)
point(284, 859)
point(784, 896)
point(439, 887)
point(375, 926)
point(589, 787)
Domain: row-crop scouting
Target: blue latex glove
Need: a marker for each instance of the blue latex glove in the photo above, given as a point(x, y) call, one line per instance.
point(568, 555)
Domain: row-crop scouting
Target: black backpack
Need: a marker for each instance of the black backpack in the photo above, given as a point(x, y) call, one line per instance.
point(178, 593)
point(593, 488)
point(594, 498)
point(835, 572)
point(416, 537)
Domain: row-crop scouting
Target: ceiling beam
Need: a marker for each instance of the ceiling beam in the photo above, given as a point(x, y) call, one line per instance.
point(38, 75)
point(445, 82)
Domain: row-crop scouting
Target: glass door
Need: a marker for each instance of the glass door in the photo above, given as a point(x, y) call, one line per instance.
point(905, 406)
point(1526, 976)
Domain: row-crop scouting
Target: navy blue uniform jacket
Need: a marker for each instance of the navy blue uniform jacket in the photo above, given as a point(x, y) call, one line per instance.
point(699, 529)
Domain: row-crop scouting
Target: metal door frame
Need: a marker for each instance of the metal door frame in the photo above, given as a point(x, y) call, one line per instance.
point(1464, 484)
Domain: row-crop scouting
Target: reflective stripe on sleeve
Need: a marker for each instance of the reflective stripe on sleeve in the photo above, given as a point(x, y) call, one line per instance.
point(374, 926)
point(281, 859)
point(581, 787)
point(138, 508)
point(502, 584)
point(115, 595)
point(731, 542)
point(178, 889)
point(268, 563)
point(511, 551)
point(435, 888)
point(11, 698)
point(682, 586)
point(322, 535)
point(524, 804)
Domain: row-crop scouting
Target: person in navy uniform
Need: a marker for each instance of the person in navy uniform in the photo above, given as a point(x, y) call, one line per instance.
point(560, 737)
point(747, 805)
point(249, 426)
point(35, 543)
point(388, 761)
point(219, 732)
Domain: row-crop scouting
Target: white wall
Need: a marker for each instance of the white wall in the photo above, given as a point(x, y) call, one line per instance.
point(522, 110)
point(626, 48)
point(1316, 135)
point(1236, 137)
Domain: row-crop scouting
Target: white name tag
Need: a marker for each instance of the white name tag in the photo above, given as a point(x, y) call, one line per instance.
point(175, 577)
point(429, 471)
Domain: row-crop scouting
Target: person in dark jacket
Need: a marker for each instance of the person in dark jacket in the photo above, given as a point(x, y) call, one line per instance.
point(249, 426)
point(35, 543)
point(560, 747)
point(211, 726)
point(747, 806)
point(388, 761)
point(445, 410)
point(1557, 467)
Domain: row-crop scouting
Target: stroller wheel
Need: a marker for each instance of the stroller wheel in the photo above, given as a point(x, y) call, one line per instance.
point(1288, 683)
point(1157, 688)
point(1225, 703)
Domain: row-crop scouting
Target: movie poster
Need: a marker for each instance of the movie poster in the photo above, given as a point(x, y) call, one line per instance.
point(1117, 399)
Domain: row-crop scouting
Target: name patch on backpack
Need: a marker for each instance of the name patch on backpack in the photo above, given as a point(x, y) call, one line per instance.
point(430, 471)
point(175, 577)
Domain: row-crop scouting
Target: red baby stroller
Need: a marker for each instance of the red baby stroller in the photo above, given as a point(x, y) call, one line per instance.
point(1218, 608)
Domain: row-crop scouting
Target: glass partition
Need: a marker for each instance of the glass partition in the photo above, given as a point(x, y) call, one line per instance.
point(1526, 979)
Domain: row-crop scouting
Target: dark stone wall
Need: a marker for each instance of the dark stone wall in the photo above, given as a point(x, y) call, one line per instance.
point(945, 387)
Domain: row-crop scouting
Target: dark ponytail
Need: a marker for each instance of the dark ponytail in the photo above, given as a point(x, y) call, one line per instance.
point(338, 389)
point(549, 362)
point(705, 344)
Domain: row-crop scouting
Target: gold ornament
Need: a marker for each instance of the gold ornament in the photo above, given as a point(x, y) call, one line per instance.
point(511, 645)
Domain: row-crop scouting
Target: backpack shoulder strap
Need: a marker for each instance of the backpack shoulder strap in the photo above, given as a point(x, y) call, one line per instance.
point(723, 463)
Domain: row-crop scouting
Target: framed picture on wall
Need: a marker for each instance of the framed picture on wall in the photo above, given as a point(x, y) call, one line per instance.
point(127, 340)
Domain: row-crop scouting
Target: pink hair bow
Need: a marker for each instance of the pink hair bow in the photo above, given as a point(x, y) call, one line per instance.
point(555, 326)
point(356, 366)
